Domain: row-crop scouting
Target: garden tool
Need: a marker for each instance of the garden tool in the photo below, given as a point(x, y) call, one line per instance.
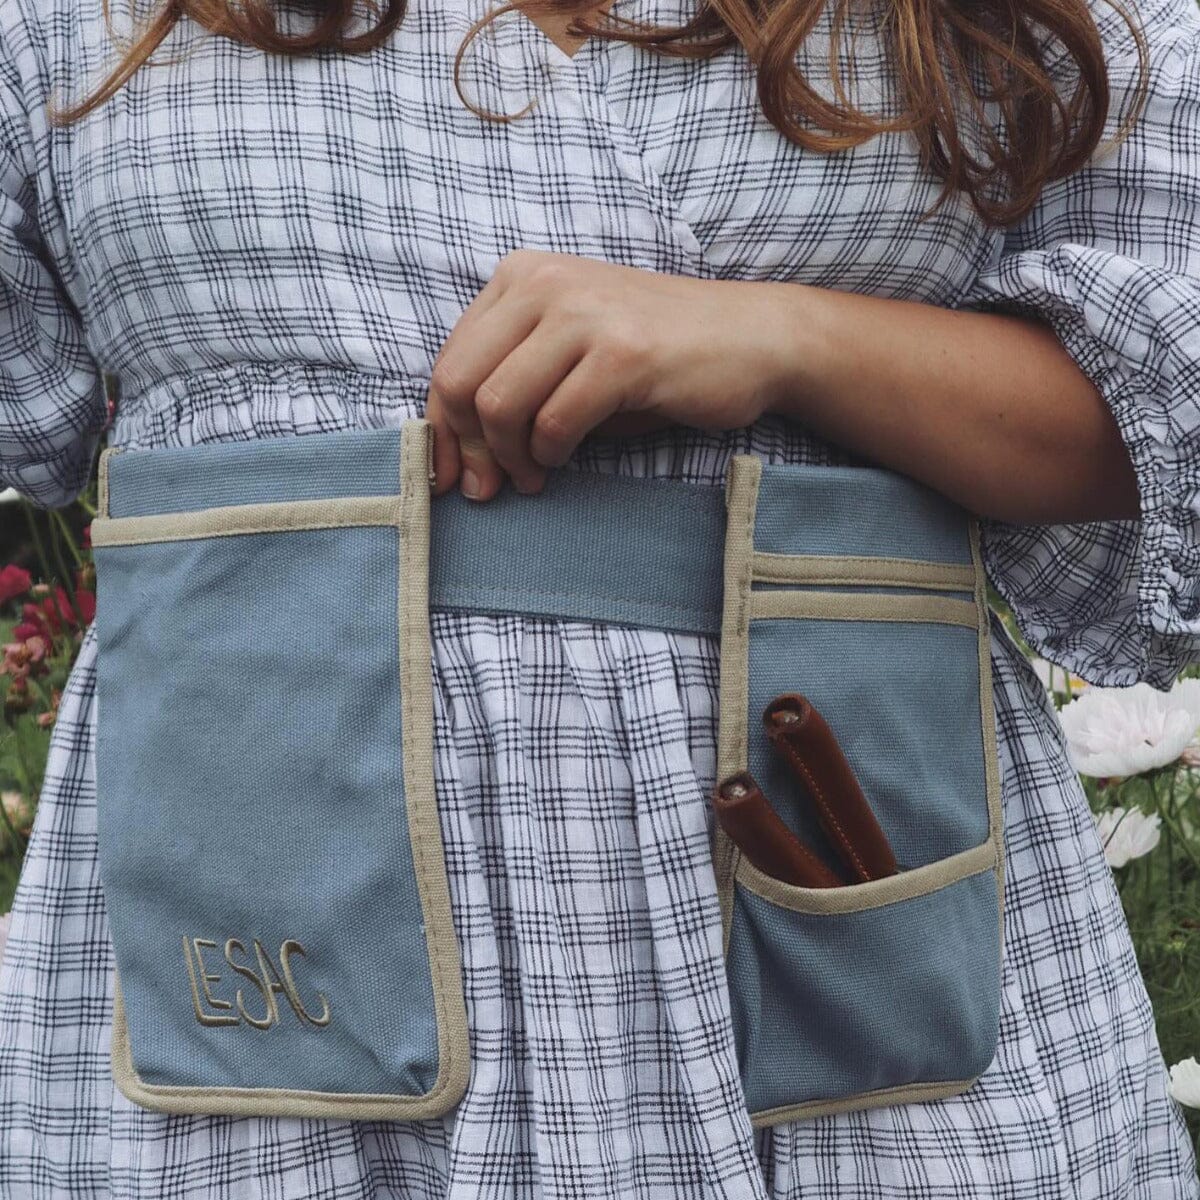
point(827, 784)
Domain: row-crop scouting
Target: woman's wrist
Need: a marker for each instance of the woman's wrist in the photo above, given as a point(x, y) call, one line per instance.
point(799, 340)
point(987, 408)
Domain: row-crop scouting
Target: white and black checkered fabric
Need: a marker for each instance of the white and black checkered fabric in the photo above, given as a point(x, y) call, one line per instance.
point(265, 246)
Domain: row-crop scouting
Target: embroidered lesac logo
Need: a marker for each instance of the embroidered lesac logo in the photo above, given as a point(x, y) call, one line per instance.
point(269, 981)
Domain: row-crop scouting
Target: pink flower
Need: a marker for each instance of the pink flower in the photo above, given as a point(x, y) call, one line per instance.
point(85, 601)
point(41, 620)
point(87, 606)
point(14, 581)
point(54, 615)
point(21, 657)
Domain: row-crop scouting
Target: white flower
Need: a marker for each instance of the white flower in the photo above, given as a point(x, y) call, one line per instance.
point(9, 496)
point(1127, 835)
point(1185, 1082)
point(1057, 679)
point(1126, 731)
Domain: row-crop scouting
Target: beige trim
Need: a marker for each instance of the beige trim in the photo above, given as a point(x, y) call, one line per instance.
point(833, 570)
point(420, 792)
point(288, 516)
point(410, 514)
point(857, 606)
point(858, 897)
point(102, 507)
point(431, 458)
point(987, 707)
point(741, 503)
point(909, 1093)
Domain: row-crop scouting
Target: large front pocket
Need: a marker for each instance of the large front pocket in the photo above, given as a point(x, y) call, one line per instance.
point(865, 593)
point(270, 848)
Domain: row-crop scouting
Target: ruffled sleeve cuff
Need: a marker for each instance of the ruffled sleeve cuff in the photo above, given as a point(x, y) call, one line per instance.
point(1117, 602)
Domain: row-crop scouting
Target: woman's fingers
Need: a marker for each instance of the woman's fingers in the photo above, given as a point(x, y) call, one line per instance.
point(494, 373)
point(447, 462)
point(587, 396)
point(468, 357)
point(459, 452)
point(529, 414)
point(510, 401)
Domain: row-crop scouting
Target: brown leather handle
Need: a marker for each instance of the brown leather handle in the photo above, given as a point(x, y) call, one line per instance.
point(810, 748)
point(759, 832)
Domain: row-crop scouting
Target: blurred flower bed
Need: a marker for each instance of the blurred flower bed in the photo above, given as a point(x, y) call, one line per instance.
point(1137, 751)
point(47, 602)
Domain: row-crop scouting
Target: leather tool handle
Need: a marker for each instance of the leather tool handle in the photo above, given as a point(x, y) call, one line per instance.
point(759, 832)
point(810, 748)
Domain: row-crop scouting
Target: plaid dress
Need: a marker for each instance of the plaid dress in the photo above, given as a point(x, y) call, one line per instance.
point(262, 246)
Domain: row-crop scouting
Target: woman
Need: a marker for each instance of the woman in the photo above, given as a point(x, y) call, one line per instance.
point(641, 274)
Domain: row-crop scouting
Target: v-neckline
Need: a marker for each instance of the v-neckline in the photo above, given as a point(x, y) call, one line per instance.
point(552, 47)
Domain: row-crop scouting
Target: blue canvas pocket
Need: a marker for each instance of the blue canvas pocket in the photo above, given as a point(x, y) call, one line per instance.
point(270, 849)
point(865, 593)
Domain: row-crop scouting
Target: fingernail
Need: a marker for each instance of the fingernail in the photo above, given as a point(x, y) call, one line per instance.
point(470, 484)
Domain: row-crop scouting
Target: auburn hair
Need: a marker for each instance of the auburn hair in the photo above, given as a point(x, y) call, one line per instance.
point(950, 57)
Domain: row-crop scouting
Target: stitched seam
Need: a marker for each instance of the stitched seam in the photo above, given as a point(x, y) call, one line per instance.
point(900, 1094)
point(883, 559)
point(826, 808)
point(896, 889)
point(433, 943)
point(285, 517)
point(936, 575)
point(500, 590)
point(856, 606)
point(372, 523)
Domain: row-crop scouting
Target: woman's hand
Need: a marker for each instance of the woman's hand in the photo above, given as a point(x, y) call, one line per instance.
point(556, 346)
point(986, 408)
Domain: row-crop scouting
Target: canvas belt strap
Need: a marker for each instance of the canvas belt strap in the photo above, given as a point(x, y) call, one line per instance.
point(590, 546)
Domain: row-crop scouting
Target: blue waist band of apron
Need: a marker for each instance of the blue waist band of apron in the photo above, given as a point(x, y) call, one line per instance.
point(643, 552)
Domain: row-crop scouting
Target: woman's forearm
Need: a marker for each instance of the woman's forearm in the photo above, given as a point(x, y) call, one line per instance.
point(988, 409)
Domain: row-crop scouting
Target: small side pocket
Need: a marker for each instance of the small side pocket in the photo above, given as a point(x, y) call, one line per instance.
point(270, 847)
point(865, 593)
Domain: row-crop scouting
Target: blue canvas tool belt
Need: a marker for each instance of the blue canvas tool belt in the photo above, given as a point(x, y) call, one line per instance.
point(270, 848)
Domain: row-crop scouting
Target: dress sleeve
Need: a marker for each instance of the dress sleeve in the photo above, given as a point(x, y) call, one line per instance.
point(52, 405)
point(1110, 259)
